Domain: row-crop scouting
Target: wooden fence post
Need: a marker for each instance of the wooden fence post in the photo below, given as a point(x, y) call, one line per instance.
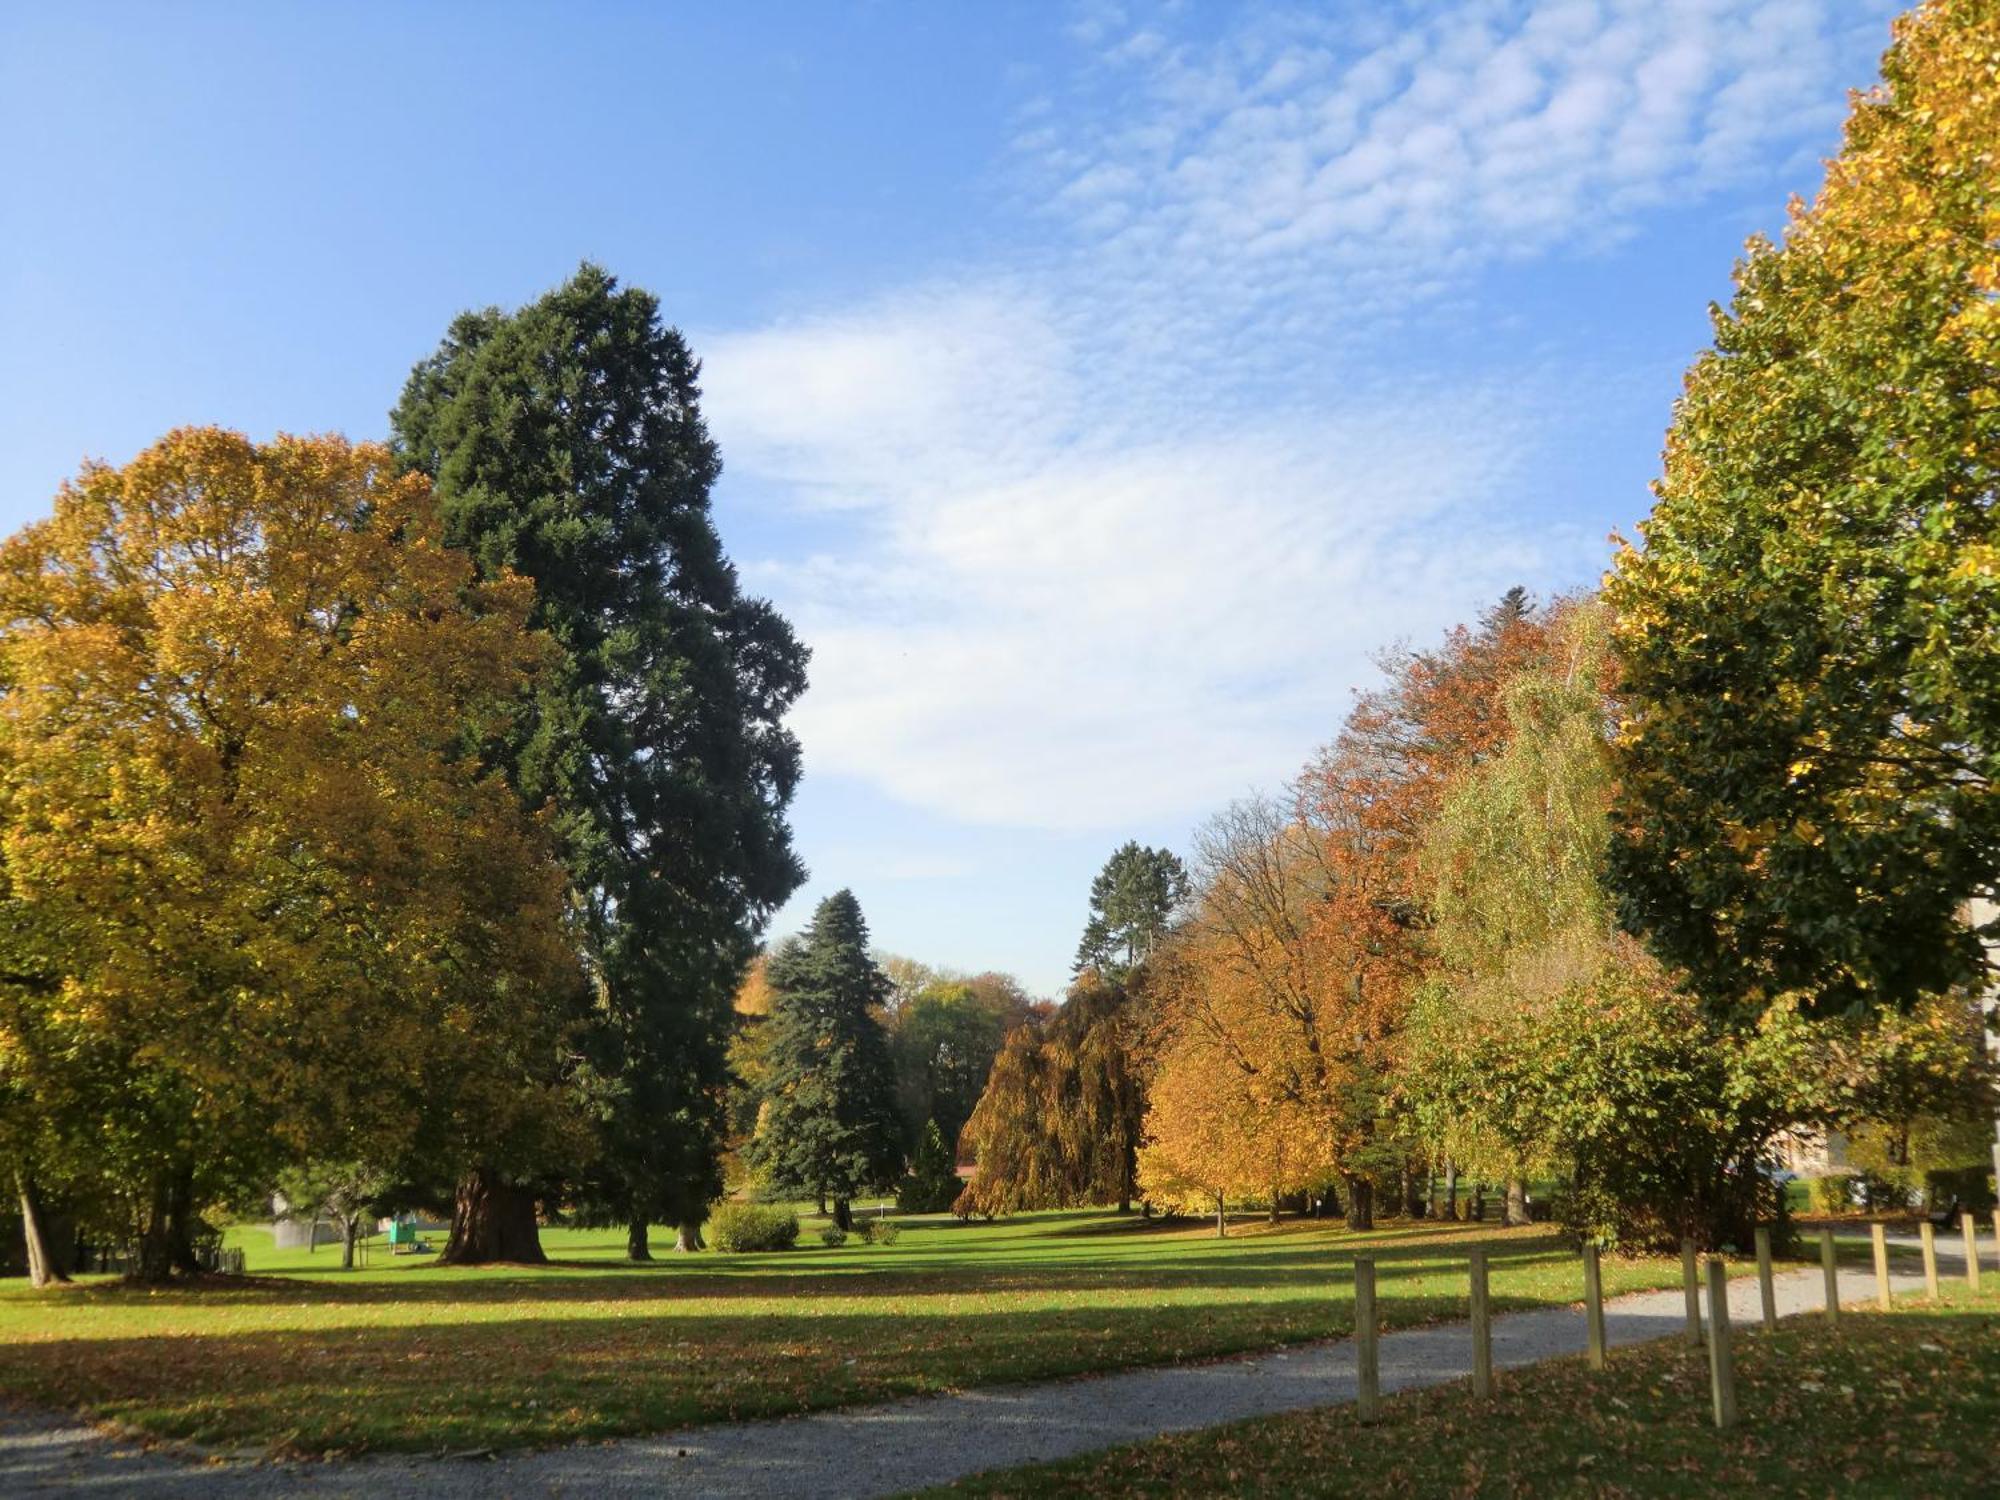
point(1970, 1226)
point(1879, 1233)
point(1593, 1305)
point(1831, 1268)
point(1721, 1370)
point(1691, 1290)
point(1482, 1329)
point(1928, 1234)
point(1367, 1356)
point(1767, 1292)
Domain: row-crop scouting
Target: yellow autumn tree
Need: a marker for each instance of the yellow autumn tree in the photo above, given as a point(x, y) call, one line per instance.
point(1212, 1133)
point(263, 901)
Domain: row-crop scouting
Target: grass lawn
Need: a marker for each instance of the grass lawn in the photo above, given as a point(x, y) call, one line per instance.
point(1888, 1404)
point(406, 1355)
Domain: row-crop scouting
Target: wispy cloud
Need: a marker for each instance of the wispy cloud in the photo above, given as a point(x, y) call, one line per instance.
point(1118, 525)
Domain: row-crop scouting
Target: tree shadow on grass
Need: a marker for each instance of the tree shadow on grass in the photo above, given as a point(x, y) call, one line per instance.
point(529, 1382)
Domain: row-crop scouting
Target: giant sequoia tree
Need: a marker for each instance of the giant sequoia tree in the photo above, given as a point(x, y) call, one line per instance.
point(828, 1125)
point(263, 899)
point(566, 444)
point(1810, 632)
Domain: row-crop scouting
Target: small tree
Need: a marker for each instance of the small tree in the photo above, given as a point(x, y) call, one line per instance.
point(828, 1124)
point(932, 1184)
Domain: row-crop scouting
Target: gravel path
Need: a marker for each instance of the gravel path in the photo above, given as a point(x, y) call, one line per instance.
point(905, 1445)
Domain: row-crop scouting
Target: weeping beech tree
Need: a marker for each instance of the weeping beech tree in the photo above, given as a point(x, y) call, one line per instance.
point(1058, 1125)
point(567, 445)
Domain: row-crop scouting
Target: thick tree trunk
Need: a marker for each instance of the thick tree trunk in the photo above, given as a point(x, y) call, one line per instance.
point(1413, 1195)
point(1221, 1220)
point(843, 1215)
point(167, 1243)
point(636, 1247)
point(492, 1221)
point(46, 1264)
point(350, 1231)
point(687, 1237)
point(822, 1205)
point(1516, 1211)
point(1360, 1203)
point(1274, 1203)
point(1450, 1188)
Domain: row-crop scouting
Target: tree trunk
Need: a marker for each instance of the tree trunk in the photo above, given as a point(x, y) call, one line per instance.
point(46, 1265)
point(1274, 1203)
point(1360, 1203)
point(636, 1247)
point(1221, 1221)
point(1413, 1195)
point(1450, 1189)
point(1516, 1211)
point(492, 1220)
point(843, 1215)
point(350, 1231)
point(687, 1238)
point(167, 1243)
point(822, 1205)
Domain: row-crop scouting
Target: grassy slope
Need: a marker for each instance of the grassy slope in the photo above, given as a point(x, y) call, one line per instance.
point(1896, 1404)
point(405, 1355)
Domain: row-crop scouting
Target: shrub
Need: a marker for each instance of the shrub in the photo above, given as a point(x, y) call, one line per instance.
point(1832, 1194)
point(881, 1231)
point(833, 1236)
point(740, 1227)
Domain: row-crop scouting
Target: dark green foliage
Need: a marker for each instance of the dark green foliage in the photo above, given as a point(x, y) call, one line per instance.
point(828, 1127)
point(737, 1227)
point(932, 1185)
point(1132, 900)
point(566, 443)
point(943, 1041)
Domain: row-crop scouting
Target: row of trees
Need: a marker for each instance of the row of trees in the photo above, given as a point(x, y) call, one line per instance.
point(1620, 891)
point(399, 817)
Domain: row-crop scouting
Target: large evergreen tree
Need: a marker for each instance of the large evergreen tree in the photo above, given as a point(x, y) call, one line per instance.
point(566, 443)
point(1131, 902)
point(828, 1127)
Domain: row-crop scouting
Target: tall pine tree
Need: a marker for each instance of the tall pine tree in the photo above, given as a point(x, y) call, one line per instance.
point(566, 443)
point(828, 1126)
point(1131, 902)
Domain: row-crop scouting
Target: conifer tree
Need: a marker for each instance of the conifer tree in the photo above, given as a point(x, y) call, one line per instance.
point(828, 1127)
point(1131, 902)
point(566, 444)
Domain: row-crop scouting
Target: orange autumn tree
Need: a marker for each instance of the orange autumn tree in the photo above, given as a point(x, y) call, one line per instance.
point(1215, 1131)
point(263, 902)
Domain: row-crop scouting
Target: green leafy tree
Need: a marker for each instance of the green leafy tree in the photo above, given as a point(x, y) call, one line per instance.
point(1810, 631)
point(1132, 902)
point(943, 1039)
point(932, 1185)
point(828, 1125)
point(566, 444)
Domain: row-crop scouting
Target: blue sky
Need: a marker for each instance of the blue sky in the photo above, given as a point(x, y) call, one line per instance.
point(1100, 387)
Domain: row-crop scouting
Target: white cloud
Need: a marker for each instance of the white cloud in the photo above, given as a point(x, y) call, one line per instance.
point(1116, 530)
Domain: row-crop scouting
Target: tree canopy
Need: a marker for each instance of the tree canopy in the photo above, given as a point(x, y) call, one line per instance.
point(264, 900)
point(1810, 630)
